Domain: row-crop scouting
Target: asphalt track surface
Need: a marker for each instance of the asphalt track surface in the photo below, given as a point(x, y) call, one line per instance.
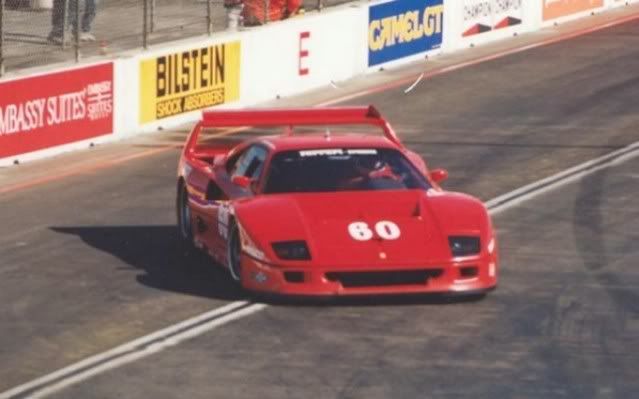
point(91, 261)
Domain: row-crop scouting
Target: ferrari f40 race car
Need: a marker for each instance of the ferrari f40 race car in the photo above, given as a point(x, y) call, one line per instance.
point(329, 214)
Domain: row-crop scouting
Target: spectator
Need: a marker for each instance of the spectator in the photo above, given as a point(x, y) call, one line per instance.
point(253, 12)
point(233, 13)
point(57, 19)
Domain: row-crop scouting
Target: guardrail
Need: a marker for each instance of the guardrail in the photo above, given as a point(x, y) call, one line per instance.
point(119, 25)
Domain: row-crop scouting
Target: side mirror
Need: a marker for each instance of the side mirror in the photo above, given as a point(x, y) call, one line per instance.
point(242, 181)
point(438, 175)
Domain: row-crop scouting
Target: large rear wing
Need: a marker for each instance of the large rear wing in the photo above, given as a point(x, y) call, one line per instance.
point(294, 117)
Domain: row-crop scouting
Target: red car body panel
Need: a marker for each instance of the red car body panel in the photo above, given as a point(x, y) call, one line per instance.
point(404, 245)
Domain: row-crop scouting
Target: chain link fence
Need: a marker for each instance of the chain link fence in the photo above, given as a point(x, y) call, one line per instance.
point(29, 38)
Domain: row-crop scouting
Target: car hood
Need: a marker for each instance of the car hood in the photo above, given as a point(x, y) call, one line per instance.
point(354, 229)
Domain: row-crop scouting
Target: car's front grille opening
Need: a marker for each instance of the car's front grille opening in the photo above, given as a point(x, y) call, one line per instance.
point(468, 271)
point(384, 278)
point(294, 277)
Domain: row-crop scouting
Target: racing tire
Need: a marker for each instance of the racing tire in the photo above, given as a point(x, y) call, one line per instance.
point(234, 248)
point(185, 227)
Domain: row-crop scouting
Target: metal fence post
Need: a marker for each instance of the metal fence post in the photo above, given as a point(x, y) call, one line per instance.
point(1, 37)
point(76, 31)
point(152, 17)
point(209, 19)
point(320, 5)
point(145, 28)
point(65, 20)
point(266, 7)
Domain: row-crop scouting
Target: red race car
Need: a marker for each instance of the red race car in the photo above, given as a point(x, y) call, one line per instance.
point(329, 214)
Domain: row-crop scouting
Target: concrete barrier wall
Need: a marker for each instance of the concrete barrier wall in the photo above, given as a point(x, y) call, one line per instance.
point(67, 108)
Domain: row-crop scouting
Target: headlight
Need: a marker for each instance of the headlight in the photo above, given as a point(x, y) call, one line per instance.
point(464, 245)
point(291, 250)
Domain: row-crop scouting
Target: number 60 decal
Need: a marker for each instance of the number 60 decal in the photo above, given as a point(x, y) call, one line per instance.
point(385, 229)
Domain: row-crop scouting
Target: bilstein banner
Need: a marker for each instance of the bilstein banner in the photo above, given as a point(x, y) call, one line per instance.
point(189, 80)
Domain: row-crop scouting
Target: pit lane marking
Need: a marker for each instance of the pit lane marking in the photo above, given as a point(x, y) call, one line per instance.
point(198, 325)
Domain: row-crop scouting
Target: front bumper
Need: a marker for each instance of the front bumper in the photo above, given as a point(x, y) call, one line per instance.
point(468, 276)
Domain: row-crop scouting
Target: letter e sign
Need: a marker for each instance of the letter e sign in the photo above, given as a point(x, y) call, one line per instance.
point(304, 53)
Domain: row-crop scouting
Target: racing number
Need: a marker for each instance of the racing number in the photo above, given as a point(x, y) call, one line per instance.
point(385, 229)
point(360, 231)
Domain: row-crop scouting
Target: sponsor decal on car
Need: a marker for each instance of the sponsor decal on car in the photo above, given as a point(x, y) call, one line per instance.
point(337, 151)
point(54, 109)
point(402, 28)
point(175, 83)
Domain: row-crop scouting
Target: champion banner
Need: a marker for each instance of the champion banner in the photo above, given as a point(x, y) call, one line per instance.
point(487, 15)
point(57, 108)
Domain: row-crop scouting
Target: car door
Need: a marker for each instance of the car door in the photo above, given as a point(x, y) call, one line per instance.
point(249, 164)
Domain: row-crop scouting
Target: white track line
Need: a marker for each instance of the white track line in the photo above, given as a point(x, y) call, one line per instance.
point(131, 351)
point(540, 187)
point(198, 325)
point(411, 87)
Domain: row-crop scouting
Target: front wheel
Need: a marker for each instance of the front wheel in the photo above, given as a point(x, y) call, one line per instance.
point(234, 250)
point(185, 228)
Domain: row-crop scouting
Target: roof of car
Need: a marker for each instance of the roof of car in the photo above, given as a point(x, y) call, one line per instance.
point(312, 141)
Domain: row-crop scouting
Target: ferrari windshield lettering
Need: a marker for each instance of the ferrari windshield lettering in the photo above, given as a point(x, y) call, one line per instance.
point(338, 151)
point(342, 169)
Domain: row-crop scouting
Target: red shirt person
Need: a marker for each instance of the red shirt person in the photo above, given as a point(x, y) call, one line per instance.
point(253, 12)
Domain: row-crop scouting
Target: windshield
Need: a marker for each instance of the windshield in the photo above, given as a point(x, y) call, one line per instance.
point(342, 169)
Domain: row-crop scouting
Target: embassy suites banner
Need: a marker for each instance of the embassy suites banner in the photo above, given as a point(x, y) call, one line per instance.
point(56, 108)
point(189, 80)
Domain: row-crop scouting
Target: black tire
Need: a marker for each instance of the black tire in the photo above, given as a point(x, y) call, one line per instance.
point(185, 228)
point(233, 255)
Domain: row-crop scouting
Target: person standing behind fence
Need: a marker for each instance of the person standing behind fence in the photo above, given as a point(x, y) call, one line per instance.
point(253, 13)
point(57, 19)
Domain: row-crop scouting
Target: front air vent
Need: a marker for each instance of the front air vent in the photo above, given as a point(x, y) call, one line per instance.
point(383, 278)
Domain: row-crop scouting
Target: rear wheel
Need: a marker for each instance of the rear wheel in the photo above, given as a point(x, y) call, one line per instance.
point(185, 228)
point(234, 250)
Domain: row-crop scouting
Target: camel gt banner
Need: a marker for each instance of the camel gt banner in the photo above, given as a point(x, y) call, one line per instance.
point(55, 108)
point(402, 28)
point(189, 80)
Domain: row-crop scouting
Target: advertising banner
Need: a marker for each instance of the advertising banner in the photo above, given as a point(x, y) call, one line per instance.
point(402, 28)
point(189, 80)
point(561, 8)
point(487, 15)
point(55, 109)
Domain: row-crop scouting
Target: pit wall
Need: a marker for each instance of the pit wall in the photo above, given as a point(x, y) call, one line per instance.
point(65, 108)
